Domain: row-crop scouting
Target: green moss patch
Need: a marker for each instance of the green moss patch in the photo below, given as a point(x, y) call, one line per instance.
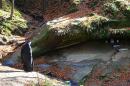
point(8, 27)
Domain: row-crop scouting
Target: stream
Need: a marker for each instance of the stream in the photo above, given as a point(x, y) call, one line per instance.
point(76, 62)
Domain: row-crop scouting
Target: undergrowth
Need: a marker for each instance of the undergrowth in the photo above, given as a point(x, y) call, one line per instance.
point(8, 27)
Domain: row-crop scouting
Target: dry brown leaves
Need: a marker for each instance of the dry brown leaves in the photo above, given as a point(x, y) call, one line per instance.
point(62, 73)
point(116, 78)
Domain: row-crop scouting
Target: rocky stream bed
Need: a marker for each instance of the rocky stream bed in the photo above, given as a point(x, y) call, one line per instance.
point(77, 62)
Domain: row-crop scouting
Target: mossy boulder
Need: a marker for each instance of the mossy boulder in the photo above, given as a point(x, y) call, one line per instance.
point(79, 30)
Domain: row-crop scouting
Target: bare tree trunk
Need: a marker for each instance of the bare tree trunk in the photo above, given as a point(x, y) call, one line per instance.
point(0, 4)
point(45, 5)
point(12, 10)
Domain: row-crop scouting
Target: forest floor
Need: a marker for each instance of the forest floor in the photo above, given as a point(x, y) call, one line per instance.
point(7, 50)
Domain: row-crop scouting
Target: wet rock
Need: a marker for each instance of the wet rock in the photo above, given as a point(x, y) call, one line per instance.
point(8, 63)
point(124, 53)
point(80, 69)
point(73, 83)
point(86, 57)
point(83, 69)
point(13, 60)
point(42, 66)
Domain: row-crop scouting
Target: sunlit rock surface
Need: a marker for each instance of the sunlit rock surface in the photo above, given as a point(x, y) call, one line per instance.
point(14, 77)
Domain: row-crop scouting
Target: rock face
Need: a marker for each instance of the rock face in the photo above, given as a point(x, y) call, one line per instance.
point(56, 34)
point(14, 77)
point(83, 60)
point(86, 57)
